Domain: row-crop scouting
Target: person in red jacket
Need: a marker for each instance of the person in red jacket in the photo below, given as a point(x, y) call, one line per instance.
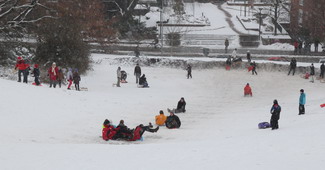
point(248, 90)
point(53, 74)
point(108, 131)
point(22, 68)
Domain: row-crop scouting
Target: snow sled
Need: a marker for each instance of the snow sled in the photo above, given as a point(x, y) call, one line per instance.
point(123, 76)
point(264, 125)
point(227, 67)
point(322, 105)
point(305, 76)
point(36, 85)
point(250, 68)
point(123, 81)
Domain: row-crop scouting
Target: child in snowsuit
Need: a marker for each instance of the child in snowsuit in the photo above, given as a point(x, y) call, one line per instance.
point(302, 102)
point(108, 131)
point(161, 118)
point(69, 77)
point(36, 74)
point(275, 111)
point(76, 79)
point(248, 90)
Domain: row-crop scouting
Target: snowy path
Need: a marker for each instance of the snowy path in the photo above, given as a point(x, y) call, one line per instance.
point(59, 129)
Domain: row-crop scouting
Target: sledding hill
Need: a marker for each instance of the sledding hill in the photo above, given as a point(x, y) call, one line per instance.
point(43, 128)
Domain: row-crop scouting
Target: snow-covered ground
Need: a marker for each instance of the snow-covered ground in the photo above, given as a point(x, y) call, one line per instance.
point(43, 128)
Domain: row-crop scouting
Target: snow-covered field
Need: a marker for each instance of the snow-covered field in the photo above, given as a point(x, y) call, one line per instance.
point(56, 129)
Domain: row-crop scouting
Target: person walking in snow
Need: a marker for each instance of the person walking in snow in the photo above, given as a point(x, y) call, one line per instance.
point(253, 68)
point(53, 73)
point(248, 56)
point(302, 102)
point(60, 77)
point(322, 70)
point(312, 72)
point(189, 71)
point(69, 77)
point(119, 74)
point(36, 74)
point(226, 45)
point(137, 73)
point(76, 79)
point(275, 111)
point(293, 65)
point(23, 68)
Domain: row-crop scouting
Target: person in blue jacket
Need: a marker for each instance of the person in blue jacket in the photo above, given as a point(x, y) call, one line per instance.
point(275, 111)
point(302, 102)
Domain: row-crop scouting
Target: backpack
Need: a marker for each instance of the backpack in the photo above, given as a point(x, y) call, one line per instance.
point(264, 125)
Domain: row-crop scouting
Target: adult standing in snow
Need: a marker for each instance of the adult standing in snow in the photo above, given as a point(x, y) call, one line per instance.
point(254, 68)
point(36, 74)
point(275, 111)
point(22, 69)
point(76, 79)
point(226, 45)
point(248, 56)
point(293, 65)
point(322, 70)
point(312, 72)
point(119, 74)
point(53, 73)
point(302, 102)
point(234, 53)
point(137, 73)
point(189, 71)
point(69, 77)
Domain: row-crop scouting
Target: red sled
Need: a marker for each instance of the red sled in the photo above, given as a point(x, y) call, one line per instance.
point(250, 68)
point(36, 85)
point(227, 67)
point(322, 105)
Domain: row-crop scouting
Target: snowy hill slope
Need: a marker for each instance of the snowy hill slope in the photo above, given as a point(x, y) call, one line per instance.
point(43, 128)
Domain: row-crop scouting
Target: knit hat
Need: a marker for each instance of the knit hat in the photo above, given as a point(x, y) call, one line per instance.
point(275, 101)
point(19, 58)
point(106, 122)
point(301, 90)
point(161, 112)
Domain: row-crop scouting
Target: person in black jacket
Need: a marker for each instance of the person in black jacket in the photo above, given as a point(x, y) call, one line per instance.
point(181, 106)
point(123, 131)
point(254, 68)
point(143, 81)
point(248, 56)
point(36, 74)
point(293, 65)
point(172, 121)
point(322, 70)
point(312, 72)
point(76, 79)
point(275, 111)
point(137, 73)
point(189, 71)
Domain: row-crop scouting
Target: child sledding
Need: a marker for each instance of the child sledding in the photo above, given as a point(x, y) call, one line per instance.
point(122, 132)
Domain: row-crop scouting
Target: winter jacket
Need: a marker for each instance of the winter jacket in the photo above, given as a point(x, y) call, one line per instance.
point(275, 111)
point(70, 75)
point(189, 69)
point(76, 78)
point(293, 63)
point(21, 65)
point(161, 119)
point(322, 68)
point(181, 105)
point(142, 80)
point(108, 132)
point(302, 98)
point(53, 73)
point(248, 90)
point(137, 70)
point(312, 70)
point(36, 72)
point(60, 75)
point(173, 122)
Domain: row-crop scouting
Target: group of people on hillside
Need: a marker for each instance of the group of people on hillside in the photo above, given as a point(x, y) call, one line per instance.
point(54, 73)
point(304, 47)
point(140, 80)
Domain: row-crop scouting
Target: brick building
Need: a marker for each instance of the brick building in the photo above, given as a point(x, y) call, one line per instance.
point(308, 19)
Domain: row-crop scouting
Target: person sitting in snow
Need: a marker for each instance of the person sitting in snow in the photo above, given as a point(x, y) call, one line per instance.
point(108, 131)
point(143, 81)
point(161, 118)
point(172, 121)
point(139, 130)
point(123, 131)
point(180, 106)
point(248, 90)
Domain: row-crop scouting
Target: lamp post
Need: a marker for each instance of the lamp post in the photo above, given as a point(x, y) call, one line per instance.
point(260, 20)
